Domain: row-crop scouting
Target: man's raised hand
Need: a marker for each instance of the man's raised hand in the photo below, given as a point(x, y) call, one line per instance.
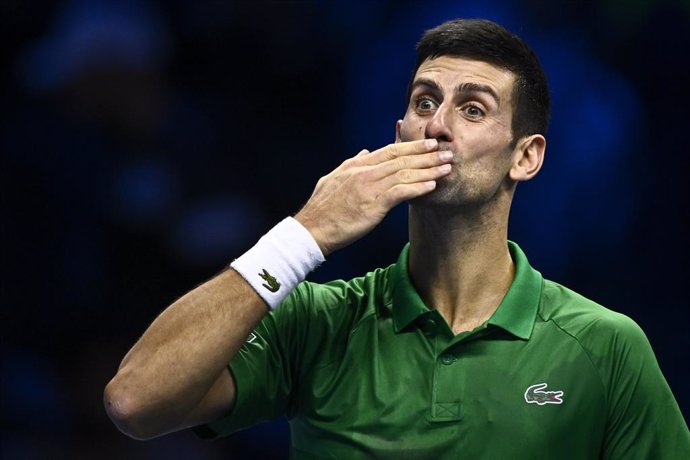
point(354, 198)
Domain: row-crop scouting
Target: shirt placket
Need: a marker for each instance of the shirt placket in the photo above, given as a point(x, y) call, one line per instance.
point(449, 374)
point(445, 402)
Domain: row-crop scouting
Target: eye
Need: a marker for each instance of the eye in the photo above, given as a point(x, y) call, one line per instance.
point(425, 105)
point(473, 111)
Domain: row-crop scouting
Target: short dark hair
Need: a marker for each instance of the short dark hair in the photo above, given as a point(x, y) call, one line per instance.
point(489, 42)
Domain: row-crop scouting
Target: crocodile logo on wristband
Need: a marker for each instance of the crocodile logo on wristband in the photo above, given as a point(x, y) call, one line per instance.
point(272, 283)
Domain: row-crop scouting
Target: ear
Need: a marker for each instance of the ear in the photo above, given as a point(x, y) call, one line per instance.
point(398, 124)
point(528, 157)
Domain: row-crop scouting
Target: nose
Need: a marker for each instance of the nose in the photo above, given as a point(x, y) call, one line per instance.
point(438, 126)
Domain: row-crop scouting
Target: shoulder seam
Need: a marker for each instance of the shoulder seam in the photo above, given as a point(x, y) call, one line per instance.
point(586, 352)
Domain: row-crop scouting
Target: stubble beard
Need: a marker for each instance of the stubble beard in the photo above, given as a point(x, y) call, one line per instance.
point(452, 192)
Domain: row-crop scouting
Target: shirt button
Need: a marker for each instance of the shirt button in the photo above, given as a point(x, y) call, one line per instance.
point(430, 328)
point(447, 359)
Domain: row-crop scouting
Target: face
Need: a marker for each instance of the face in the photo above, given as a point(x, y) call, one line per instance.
point(466, 105)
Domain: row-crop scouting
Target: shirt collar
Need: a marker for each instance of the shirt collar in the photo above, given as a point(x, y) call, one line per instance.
point(515, 314)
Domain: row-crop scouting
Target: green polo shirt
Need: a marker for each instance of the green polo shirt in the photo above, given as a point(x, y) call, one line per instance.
point(364, 369)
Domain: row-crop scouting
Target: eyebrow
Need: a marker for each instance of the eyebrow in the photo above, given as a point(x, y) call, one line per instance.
point(478, 88)
point(462, 88)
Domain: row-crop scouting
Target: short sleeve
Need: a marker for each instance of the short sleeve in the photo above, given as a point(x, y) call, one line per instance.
point(308, 328)
point(644, 420)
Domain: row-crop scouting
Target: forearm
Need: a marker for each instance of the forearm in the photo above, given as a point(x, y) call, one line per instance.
point(173, 366)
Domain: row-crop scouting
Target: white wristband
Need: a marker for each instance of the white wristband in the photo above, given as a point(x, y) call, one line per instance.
point(279, 261)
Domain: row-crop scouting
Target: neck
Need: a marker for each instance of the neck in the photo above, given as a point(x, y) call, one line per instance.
point(459, 262)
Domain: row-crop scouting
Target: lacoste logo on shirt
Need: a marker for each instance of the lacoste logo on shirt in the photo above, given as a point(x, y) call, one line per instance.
point(536, 394)
point(271, 284)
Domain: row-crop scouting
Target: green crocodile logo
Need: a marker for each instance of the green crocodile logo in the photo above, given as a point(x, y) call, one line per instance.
point(536, 394)
point(272, 283)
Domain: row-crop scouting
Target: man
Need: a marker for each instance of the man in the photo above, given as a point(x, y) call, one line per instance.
point(460, 349)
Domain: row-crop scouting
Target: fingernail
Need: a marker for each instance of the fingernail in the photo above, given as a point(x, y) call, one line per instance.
point(444, 168)
point(445, 155)
point(430, 143)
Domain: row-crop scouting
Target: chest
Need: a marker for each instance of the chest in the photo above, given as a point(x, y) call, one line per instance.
point(487, 392)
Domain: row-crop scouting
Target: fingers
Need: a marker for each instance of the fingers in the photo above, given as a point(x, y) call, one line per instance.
point(400, 149)
point(406, 184)
point(403, 159)
point(408, 164)
point(412, 176)
point(403, 192)
point(398, 172)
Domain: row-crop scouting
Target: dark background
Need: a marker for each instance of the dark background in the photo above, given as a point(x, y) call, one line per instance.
point(146, 144)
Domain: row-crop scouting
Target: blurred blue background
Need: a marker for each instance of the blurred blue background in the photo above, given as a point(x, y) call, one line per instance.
point(146, 144)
